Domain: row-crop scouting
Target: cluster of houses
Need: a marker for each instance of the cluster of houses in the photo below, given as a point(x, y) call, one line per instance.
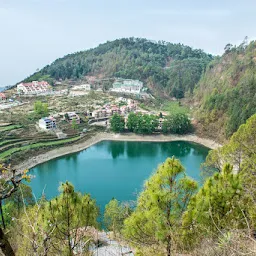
point(49, 123)
point(43, 88)
point(127, 106)
point(110, 109)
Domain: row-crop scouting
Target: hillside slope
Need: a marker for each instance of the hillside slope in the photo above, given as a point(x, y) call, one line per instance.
point(226, 93)
point(167, 69)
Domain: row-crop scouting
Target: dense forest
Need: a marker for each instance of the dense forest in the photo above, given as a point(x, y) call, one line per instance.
point(167, 69)
point(226, 92)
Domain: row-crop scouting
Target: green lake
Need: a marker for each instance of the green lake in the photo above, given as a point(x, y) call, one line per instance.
point(114, 168)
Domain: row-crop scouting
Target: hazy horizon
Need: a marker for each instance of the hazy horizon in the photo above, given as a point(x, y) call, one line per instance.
point(36, 32)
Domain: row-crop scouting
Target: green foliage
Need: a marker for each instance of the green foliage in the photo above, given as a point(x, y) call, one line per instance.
point(217, 206)
point(4, 155)
point(114, 215)
point(14, 204)
point(9, 128)
point(117, 123)
point(175, 68)
point(22, 196)
point(58, 227)
point(240, 151)
point(74, 124)
point(227, 90)
point(41, 109)
point(174, 107)
point(142, 123)
point(157, 218)
point(10, 211)
point(38, 76)
point(33, 232)
point(177, 123)
point(68, 212)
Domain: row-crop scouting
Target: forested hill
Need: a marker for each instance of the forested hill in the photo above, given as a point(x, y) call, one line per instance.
point(166, 68)
point(226, 92)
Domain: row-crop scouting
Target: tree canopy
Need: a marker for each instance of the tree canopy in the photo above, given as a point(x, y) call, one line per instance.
point(117, 123)
point(41, 109)
point(226, 92)
point(160, 205)
point(219, 205)
point(177, 123)
point(142, 123)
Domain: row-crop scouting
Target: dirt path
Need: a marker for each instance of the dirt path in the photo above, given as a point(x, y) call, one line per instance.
point(31, 162)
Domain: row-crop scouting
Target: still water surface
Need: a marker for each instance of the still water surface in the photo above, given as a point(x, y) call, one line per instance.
point(114, 168)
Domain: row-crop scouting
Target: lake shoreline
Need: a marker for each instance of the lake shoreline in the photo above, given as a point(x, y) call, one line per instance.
point(66, 150)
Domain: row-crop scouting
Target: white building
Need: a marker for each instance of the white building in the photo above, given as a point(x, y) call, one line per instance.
point(34, 87)
point(72, 116)
point(127, 86)
point(47, 123)
point(84, 87)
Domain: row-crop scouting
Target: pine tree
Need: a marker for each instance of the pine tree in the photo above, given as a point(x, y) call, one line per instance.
point(68, 213)
point(220, 205)
point(157, 217)
point(114, 215)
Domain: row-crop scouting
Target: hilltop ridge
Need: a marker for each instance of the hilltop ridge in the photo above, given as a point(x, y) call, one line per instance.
point(167, 69)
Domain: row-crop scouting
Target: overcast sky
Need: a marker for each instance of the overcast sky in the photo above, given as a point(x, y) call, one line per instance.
point(33, 33)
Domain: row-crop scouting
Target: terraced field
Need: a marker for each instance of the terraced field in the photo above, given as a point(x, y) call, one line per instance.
point(33, 145)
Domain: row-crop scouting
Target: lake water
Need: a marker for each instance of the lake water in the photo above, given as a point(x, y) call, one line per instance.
point(114, 168)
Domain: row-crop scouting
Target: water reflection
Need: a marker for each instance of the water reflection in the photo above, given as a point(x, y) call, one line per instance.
point(116, 148)
point(178, 149)
point(139, 149)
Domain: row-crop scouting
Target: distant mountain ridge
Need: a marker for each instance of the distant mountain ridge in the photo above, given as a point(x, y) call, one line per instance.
point(167, 69)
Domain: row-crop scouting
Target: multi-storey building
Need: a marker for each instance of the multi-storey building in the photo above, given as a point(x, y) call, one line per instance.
point(34, 87)
point(127, 86)
point(47, 123)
